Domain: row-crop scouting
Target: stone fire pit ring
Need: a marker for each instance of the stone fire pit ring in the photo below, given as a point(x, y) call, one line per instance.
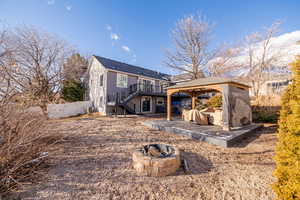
point(156, 160)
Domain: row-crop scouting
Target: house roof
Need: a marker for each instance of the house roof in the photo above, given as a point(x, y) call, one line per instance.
point(206, 81)
point(123, 67)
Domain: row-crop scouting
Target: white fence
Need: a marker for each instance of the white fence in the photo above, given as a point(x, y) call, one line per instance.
point(56, 111)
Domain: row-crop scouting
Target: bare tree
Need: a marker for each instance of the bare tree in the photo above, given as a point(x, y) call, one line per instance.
point(7, 90)
point(75, 67)
point(191, 37)
point(261, 56)
point(224, 62)
point(25, 137)
point(36, 66)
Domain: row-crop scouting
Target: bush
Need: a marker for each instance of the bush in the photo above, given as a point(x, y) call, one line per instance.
point(24, 145)
point(73, 91)
point(287, 156)
point(261, 116)
point(215, 101)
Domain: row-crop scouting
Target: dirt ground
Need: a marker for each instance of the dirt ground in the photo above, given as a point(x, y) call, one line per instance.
point(94, 162)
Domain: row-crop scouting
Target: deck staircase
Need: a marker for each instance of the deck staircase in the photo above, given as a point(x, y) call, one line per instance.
point(123, 98)
point(125, 102)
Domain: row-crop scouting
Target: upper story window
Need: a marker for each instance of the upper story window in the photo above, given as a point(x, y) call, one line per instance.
point(101, 80)
point(122, 80)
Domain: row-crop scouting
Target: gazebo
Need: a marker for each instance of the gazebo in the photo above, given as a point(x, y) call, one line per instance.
point(236, 109)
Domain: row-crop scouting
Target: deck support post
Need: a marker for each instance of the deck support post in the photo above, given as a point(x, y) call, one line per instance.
point(194, 100)
point(169, 107)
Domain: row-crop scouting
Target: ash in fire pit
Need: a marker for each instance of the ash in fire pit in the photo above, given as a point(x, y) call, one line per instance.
point(156, 160)
point(158, 150)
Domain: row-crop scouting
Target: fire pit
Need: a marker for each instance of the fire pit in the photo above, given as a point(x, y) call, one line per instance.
point(156, 160)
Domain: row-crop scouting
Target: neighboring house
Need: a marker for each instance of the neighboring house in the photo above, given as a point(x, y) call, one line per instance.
point(274, 85)
point(116, 87)
point(270, 83)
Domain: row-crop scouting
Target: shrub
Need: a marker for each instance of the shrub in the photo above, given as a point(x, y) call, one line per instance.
point(287, 156)
point(24, 144)
point(73, 91)
point(215, 101)
point(262, 116)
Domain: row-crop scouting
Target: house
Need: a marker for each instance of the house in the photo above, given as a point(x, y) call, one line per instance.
point(274, 84)
point(116, 87)
point(275, 87)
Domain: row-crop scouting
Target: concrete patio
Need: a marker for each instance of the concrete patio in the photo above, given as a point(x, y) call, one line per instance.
point(207, 133)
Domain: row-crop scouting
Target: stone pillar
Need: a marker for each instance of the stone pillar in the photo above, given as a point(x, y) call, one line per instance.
point(226, 122)
point(169, 107)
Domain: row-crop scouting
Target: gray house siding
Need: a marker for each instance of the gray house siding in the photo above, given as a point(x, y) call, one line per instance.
point(97, 93)
point(153, 105)
point(157, 85)
point(136, 102)
point(112, 82)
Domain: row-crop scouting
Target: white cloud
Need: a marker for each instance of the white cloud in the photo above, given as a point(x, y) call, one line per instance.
point(284, 47)
point(51, 2)
point(108, 27)
point(126, 48)
point(69, 7)
point(114, 36)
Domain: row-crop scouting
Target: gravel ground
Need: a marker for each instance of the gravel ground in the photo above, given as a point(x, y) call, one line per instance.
point(94, 162)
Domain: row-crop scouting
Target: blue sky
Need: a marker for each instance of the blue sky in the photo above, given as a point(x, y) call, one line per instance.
point(138, 31)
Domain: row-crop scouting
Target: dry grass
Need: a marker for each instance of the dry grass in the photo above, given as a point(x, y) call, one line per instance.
point(24, 145)
point(266, 108)
point(94, 162)
point(267, 101)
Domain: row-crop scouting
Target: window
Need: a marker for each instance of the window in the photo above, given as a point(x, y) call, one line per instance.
point(101, 80)
point(122, 80)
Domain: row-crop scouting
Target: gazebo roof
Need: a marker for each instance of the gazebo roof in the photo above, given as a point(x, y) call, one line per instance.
point(206, 82)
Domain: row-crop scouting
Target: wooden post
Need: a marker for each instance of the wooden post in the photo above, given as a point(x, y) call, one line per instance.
point(193, 100)
point(169, 107)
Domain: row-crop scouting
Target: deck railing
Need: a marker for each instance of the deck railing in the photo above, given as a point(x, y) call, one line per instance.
point(146, 89)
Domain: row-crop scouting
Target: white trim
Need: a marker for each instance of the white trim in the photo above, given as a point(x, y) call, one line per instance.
point(119, 78)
